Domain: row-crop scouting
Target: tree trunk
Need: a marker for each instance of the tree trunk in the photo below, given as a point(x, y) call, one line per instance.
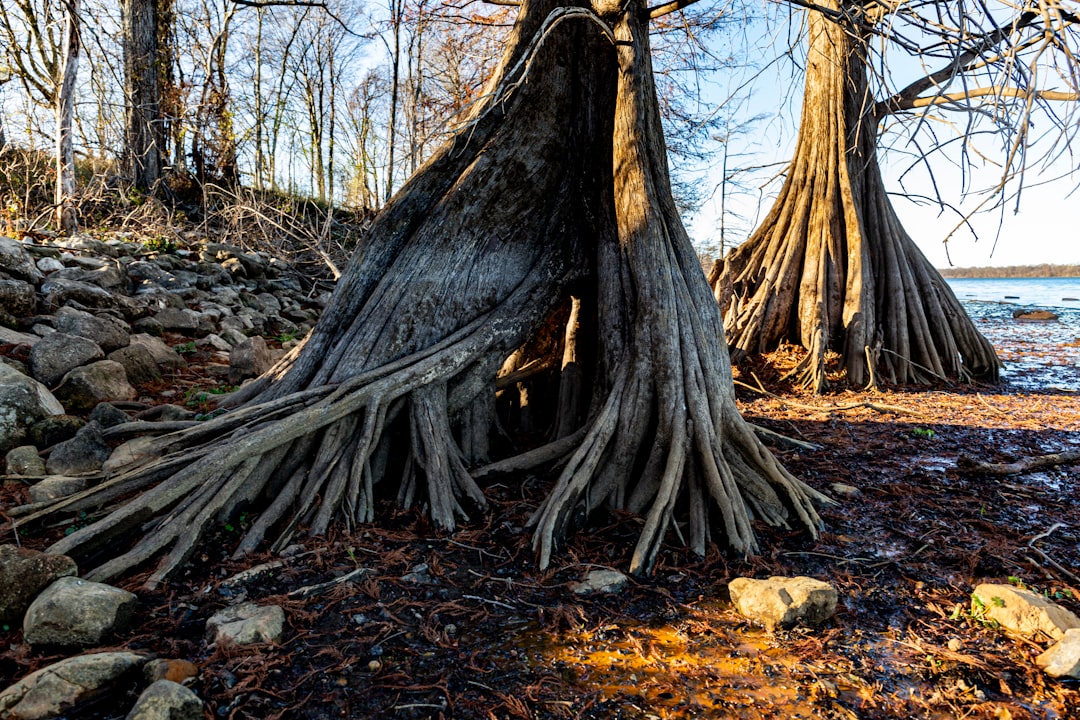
point(557, 184)
point(143, 137)
point(831, 267)
point(66, 217)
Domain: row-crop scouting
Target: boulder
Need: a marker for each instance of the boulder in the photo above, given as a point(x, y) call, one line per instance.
point(250, 358)
point(23, 401)
point(138, 362)
point(781, 601)
point(166, 700)
point(59, 353)
point(85, 387)
point(1043, 316)
point(49, 692)
point(600, 581)
point(165, 357)
point(55, 429)
point(177, 320)
point(59, 291)
point(108, 415)
point(83, 453)
point(17, 298)
point(14, 337)
point(247, 624)
point(78, 612)
point(23, 574)
point(1022, 611)
point(24, 460)
point(1062, 660)
point(54, 487)
point(49, 265)
point(16, 261)
point(108, 332)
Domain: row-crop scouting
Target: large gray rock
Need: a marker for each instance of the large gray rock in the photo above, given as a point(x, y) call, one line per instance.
point(108, 415)
point(58, 291)
point(17, 298)
point(58, 353)
point(55, 487)
point(23, 401)
point(165, 357)
point(781, 601)
point(78, 612)
point(15, 260)
point(49, 692)
point(246, 624)
point(250, 358)
point(84, 387)
point(166, 700)
point(1062, 660)
point(1023, 612)
point(108, 332)
point(55, 429)
point(23, 574)
point(83, 453)
point(139, 364)
point(14, 337)
point(24, 460)
point(177, 320)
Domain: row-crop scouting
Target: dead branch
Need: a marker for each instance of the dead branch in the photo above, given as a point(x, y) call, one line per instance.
point(1025, 465)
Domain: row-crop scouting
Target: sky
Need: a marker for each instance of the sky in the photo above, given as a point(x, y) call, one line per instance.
point(1046, 229)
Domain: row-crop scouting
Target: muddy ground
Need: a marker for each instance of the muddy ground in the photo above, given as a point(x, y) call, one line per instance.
point(464, 626)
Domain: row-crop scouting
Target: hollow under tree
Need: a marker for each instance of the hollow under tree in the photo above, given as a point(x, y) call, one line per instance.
point(831, 266)
point(554, 194)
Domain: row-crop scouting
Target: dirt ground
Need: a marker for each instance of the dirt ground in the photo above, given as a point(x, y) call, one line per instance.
point(464, 626)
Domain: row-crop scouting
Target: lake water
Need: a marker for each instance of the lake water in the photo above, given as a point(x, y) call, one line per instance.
point(1037, 355)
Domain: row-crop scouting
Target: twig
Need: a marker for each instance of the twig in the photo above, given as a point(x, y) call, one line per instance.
point(967, 465)
point(985, 402)
point(1056, 565)
point(782, 440)
point(310, 590)
point(490, 602)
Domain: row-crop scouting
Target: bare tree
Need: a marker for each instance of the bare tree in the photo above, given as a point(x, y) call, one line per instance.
point(143, 136)
point(831, 267)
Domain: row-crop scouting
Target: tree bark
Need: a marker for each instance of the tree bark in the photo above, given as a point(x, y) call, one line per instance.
point(557, 185)
point(831, 267)
point(66, 216)
point(143, 129)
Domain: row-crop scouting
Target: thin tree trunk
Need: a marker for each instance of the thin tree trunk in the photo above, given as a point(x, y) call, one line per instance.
point(142, 127)
point(66, 218)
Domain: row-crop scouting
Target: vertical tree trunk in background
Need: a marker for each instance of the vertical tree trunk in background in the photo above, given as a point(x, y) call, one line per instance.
point(397, 9)
point(66, 219)
point(260, 162)
point(831, 267)
point(142, 127)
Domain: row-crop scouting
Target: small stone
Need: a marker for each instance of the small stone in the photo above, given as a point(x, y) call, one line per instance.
point(418, 575)
point(781, 601)
point(847, 491)
point(78, 612)
point(108, 415)
point(23, 574)
point(24, 460)
point(247, 624)
point(49, 692)
point(83, 453)
point(955, 644)
point(1023, 611)
point(55, 487)
point(1034, 316)
point(167, 700)
point(250, 358)
point(1062, 660)
point(85, 387)
point(600, 581)
point(175, 670)
point(374, 666)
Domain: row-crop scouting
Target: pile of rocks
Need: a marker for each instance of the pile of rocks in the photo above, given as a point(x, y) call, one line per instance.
point(85, 322)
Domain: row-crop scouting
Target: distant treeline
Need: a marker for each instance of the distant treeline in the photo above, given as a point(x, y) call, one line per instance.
point(1014, 271)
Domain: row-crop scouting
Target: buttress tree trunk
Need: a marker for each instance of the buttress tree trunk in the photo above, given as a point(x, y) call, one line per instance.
point(831, 267)
point(555, 188)
point(143, 128)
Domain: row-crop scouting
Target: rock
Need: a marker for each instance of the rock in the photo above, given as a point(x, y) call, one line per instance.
point(24, 460)
point(59, 291)
point(23, 574)
point(214, 341)
point(847, 491)
point(166, 700)
point(55, 429)
point(177, 320)
point(600, 581)
point(164, 356)
point(78, 612)
point(246, 624)
point(148, 326)
point(166, 413)
point(55, 487)
point(83, 453)
point(250, 358)
point(14, 337)
point(1034, 316)
point(23, 401)
point(419, 575)
point(17, 297)
point(15, 260)
point(108, 332)
point(175, 670)
point(1062, 660)
point(86, 386)
point(108, 415)
point(49, 692)
point(59, 353)
point(139, 364)
point(49, 265)
point(781, 601)
point(135, 450)
point(1023, 611)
